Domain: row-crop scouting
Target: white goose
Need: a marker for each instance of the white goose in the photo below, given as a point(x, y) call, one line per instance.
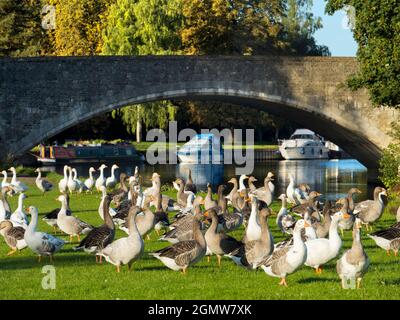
point(72, 185)
point(4, 183)
point(89, 183)
point(39, 242)
point(253, 229)
point(17, 185)
point(125, 250)
point(288, 259)
point(242, 187)
point(79, 183)
point(63, 183)
point(111, 181)
point(18, 217)
point(101, 181)
point(321, 251)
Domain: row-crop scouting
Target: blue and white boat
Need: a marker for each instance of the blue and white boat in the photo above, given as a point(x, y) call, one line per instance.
point(202, 149)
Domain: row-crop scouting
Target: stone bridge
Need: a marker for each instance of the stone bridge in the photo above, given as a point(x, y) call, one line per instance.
point(40, 97)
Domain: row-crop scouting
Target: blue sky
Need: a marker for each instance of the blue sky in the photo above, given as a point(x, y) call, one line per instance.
point(334, 35)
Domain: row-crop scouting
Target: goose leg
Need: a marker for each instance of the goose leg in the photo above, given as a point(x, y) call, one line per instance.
point(341, 231)
point(208, 259)
point(70, 238)
point(396, 252)
point(283, 282)
point(118, 269)
point(39, 259)
point(148, 237)
point(79, 238)
point(97, 258)
point(184, 270)
point(130, 266)
point(388, 253)
point(101, 259)
point(14, 250)
point(359, 283)
point(219, 260)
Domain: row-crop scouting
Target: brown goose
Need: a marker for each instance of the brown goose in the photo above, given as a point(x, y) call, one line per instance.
point(183, 230)
point(370, 211)
point(311, 202)
point(322, 228)
point(100, 237)
point(252, 253)
point(161, 216)
point(209, 203)
point(388, 239)
point(181, 196)
point(13, 236)
point(121, 194)
point(190, 186)
point(252, 187)
point(234, 189)
point(354, 262)
point(264, 193)
point(183, 254)
point(218, 242)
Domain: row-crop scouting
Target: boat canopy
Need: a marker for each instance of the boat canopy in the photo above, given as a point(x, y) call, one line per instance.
point(202, 148)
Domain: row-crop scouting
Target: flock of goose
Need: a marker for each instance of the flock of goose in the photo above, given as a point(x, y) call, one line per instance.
point(201, 225)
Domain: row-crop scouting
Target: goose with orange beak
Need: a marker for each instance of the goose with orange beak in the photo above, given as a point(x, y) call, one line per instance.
point(321, 251)
point(39, 242)
point(287, 259)
point(354, 262)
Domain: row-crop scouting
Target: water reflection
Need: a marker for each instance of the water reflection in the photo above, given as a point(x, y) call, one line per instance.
point(333, 178)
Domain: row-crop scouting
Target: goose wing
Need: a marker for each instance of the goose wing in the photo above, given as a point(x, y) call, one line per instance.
point(98, 237)
point(388, 234)
point(17, 233)
point(182, 252)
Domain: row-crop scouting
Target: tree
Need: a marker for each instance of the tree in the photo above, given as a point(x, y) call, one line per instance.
point(232, 26)
point(300, 24)
point(20, 28)
point(390, 161)
point(377, 31)
point(138, 28)
point(79, 25)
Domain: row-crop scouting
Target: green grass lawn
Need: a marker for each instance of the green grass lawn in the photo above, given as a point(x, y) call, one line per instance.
point(78, 276)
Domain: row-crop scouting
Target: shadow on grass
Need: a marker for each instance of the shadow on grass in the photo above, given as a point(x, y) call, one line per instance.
point(315, 279)
point(18, 263)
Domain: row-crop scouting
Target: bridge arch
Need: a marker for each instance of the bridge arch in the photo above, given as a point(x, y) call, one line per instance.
point(41, 97)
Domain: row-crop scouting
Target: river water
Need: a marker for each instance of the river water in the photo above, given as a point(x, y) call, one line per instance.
point(332, 178)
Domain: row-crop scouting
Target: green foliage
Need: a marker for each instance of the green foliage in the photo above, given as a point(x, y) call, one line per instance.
point(232, 27)
point(377, 31)
point(390, 161)
point(139, 28)
point(20, 28)
point(300, 24)
point(79, 26)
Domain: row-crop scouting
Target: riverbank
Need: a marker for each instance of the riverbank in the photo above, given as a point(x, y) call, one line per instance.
point(79, 277)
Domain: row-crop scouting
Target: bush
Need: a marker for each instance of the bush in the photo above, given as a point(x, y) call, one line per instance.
point(389, 166)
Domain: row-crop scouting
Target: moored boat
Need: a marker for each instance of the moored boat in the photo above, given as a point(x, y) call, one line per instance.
point(303, 144)
point(87, 153)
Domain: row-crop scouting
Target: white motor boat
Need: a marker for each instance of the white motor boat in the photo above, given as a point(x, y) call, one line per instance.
point(303, 144)
point(202, 149)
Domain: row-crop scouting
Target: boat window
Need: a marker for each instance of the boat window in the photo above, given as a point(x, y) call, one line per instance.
point(302, 136)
